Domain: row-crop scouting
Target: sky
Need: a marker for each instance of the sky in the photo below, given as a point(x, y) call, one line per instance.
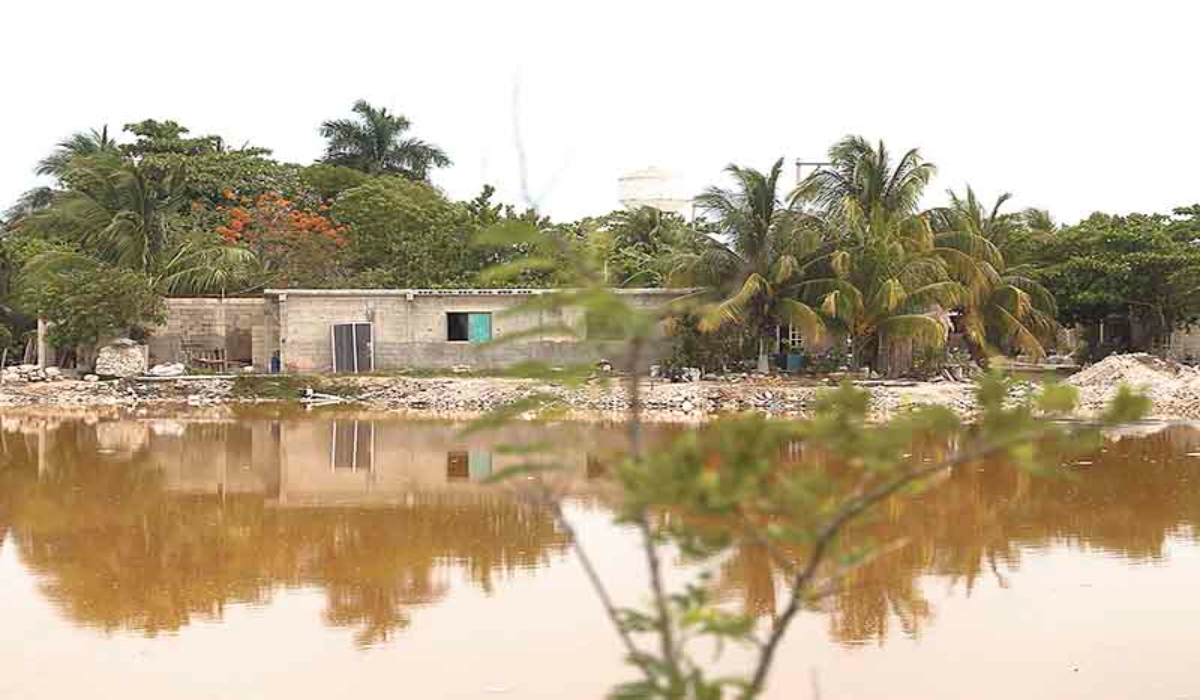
point(1071, 106)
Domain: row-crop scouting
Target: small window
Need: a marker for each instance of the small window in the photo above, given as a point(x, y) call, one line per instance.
point(473, 466)
point(458, 466)
point(468, 327)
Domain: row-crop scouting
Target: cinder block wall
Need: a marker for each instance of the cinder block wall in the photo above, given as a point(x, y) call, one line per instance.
point(209, 324)
point(411, 333)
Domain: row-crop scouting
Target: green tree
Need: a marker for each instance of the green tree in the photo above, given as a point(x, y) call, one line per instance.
point(121, 213)
point(882, 283)
point(756, 280)
point(1006, 309)
point(711, 492)
point(90, 301)
point(1142, 267)
point(82, 144)
point(329, 181)
point(406, 234)
point(864, 175)
point(375, 143)
point(640, 245)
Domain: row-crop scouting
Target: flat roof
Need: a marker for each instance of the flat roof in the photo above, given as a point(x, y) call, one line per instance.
point(455, 292)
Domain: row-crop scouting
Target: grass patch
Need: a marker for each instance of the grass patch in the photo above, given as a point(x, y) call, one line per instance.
point(290, 387)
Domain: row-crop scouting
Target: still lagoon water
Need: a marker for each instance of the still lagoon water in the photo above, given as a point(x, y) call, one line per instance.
point(334, 555)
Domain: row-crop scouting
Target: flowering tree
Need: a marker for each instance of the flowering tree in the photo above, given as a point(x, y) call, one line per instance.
point(297, 243)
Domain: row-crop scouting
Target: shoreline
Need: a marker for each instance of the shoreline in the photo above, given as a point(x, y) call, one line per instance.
point(464, 398)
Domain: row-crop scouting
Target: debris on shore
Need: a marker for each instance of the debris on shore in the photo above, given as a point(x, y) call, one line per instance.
point(1174, 388)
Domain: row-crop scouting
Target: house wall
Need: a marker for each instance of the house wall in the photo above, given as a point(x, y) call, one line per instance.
point(211, 324)
point(411, 331)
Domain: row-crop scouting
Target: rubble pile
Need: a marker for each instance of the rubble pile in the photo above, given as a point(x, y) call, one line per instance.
point(1173, 388)
point(121, 358)
point(32, 373)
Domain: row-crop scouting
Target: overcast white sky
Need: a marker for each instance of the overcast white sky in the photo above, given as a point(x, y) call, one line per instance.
point(1072, 106)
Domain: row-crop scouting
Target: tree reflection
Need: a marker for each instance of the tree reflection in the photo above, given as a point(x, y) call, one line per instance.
point(1127, 500)
point(122, 542)
point(116, 550)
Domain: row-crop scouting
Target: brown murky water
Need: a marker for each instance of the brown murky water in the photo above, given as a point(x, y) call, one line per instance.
point(346, 556)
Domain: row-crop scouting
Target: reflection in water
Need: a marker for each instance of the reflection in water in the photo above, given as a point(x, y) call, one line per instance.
point(145, 525)
point(148, 525)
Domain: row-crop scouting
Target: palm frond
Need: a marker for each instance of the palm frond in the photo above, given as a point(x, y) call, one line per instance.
point(734, 308)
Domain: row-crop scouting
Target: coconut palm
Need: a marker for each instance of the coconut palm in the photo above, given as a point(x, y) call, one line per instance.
point(864, 174)
point(375, 143)
point(119, 213)
point(885, 284)
point(753, 278)
point(890, 276)
point(84, 143)
point(1007, 310)
point(640, 245)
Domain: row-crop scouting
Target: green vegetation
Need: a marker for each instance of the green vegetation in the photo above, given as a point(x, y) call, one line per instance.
point(849, 264)
point(716, 493)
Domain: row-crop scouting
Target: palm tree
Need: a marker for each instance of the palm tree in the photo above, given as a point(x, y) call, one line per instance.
point(118, 213)
point(863, 173)
point(81, 144)
point(640, 245)
point(754, 278)
point(889, 271)
point(1007, 311)
point(881, 283)
point(375, 143)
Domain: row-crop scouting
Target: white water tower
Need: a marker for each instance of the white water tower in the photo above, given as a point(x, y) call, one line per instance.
point(656, 188)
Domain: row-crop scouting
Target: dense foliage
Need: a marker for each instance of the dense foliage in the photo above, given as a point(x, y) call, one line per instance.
point(848, 260)
point(1145, 268)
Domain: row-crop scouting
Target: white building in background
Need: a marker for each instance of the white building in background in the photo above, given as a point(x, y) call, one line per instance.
point(654, 187)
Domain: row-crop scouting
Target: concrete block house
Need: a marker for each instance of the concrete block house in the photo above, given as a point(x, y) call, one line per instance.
point(367, 330)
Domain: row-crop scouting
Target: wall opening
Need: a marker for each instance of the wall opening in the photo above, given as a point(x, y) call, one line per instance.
point(464, 327)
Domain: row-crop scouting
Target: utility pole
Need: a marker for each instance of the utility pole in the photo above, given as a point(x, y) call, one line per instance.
point(801, 164)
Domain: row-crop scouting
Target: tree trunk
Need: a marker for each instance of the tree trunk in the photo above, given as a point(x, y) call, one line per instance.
point(764, 360)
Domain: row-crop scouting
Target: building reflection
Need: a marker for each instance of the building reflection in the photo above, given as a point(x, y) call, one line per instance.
point(148, 525)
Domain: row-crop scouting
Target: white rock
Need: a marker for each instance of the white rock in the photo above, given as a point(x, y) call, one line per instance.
point(121, 358)
point(90, 378)
point(169, 369)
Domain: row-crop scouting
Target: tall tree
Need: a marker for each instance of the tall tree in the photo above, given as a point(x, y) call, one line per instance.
point(890, 276)
point(755, 280)
point(641, 243)
point(84, 143)
point(1007, 310)
point(864, 174)
point(120, 213)
point(374, 142)
point(884, 283)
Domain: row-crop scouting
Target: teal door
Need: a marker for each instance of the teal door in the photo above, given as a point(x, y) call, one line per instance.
point(479, 465)
point(479, 328)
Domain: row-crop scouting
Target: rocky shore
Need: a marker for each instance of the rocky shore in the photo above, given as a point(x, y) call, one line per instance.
point(1174, 388)
point(458, 396)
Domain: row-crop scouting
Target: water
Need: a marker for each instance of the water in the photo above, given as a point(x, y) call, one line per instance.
point(287, 556)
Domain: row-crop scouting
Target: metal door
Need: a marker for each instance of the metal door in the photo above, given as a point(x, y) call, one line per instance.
point(352, 351)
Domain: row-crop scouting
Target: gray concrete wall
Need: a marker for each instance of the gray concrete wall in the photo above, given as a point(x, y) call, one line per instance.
point(209, 324)
point(411, 331)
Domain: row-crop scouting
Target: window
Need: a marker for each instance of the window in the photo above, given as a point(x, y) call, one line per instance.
point(464, 327)
point(458, 466)
point(473, 465)
point(353, 445)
